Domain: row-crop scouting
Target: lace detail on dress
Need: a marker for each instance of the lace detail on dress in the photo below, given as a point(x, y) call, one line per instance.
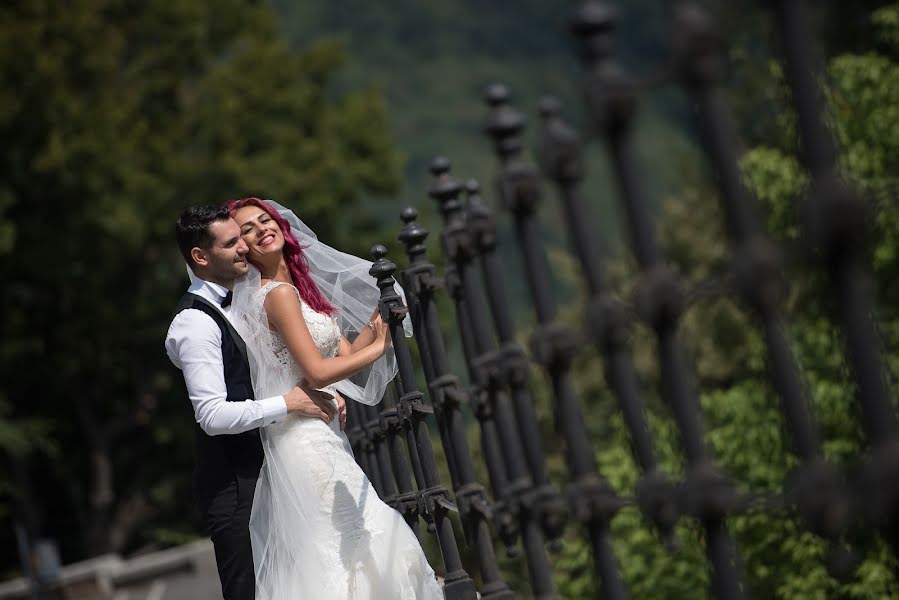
point(323, 329)
point(318, 528)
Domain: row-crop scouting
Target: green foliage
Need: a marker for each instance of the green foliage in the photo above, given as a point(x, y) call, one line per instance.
point(20, 437)
point(865, 106)
point(115, 116)
point(777, 180)
point(886, 20)
point(742, 414)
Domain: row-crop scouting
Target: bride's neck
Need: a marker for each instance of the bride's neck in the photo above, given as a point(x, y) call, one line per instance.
point(275, 270)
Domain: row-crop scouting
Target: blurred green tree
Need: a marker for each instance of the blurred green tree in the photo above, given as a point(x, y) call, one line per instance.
point(114, 116)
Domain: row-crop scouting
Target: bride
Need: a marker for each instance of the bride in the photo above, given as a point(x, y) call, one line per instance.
point(318, 528)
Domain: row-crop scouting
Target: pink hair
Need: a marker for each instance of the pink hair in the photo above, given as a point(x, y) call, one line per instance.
point(293, 256)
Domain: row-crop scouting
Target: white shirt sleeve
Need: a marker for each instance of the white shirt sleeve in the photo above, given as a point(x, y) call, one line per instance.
point(194, 345)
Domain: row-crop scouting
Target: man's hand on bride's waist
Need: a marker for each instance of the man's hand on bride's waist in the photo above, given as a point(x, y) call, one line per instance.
point(309, 402)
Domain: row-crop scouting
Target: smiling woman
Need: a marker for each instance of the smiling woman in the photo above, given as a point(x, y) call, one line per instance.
point(260, 230)
point(277, 254)
point(317, 527)
point(275, 251)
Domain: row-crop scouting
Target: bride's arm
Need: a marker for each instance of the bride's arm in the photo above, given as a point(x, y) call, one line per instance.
point(367, 336)
point(286, 315)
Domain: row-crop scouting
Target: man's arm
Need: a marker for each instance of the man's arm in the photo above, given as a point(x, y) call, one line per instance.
point(194, 345)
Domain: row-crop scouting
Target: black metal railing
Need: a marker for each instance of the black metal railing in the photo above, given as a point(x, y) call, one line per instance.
point(524, 510)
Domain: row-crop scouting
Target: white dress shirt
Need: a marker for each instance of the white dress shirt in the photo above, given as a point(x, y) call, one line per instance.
point(194, 345)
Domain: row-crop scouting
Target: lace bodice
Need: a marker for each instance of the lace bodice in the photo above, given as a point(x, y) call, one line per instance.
point(317, 527)
point(323, 329)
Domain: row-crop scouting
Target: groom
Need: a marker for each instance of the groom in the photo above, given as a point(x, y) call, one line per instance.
point(202, 342)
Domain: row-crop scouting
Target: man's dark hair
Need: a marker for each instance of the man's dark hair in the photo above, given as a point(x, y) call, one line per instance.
point(192, 228)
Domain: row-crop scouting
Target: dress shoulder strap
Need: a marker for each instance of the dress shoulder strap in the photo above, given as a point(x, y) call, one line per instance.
point(273, 284)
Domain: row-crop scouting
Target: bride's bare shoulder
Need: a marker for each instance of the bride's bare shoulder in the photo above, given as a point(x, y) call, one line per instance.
point(281, 296)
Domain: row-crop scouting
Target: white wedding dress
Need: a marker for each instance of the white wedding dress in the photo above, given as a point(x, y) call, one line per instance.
point(318, 528)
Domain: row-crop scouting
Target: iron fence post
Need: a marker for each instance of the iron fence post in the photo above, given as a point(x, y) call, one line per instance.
point(593, 502)
point(433, 498)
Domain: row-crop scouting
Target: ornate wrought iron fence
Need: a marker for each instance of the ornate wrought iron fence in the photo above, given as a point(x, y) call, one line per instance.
point(393, 444)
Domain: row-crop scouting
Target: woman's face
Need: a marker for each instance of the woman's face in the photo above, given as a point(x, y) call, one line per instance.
point(260, 231)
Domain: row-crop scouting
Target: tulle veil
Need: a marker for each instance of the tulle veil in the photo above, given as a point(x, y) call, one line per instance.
point(345, 282)
point(286, 527)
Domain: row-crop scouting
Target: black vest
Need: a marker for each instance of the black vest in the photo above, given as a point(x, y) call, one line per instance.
point(226, 463)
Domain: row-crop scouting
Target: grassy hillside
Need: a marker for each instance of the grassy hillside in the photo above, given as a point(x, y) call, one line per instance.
point(433, 60)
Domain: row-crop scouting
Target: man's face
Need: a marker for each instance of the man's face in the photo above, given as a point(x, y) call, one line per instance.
point(226, 259)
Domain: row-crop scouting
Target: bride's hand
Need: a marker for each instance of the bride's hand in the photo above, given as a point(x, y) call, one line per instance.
point(382, 334)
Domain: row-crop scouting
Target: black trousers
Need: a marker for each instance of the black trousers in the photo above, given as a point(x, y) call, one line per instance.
point(228, 521)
